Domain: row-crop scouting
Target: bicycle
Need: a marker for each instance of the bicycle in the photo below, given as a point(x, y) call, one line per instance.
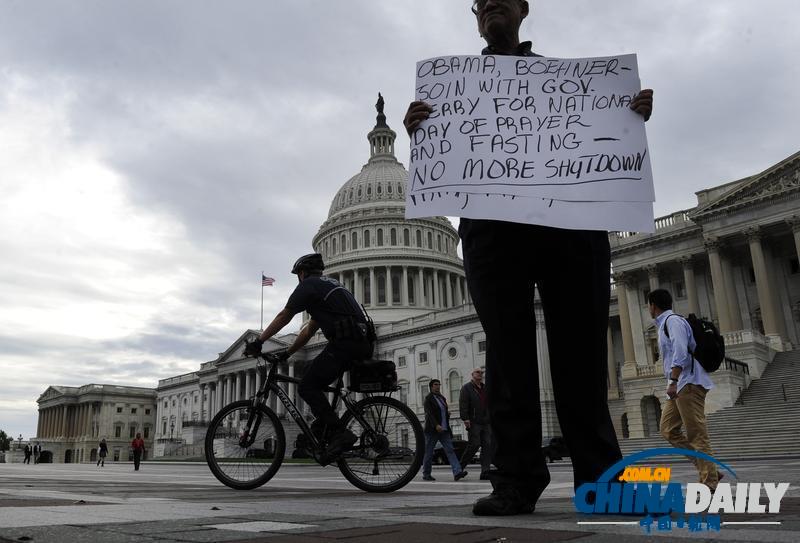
point(246, 443)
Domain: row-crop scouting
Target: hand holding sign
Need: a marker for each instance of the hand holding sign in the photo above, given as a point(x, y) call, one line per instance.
point(531, 130)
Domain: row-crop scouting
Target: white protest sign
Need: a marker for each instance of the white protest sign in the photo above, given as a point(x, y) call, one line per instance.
point(528, 126)
point(610, 216)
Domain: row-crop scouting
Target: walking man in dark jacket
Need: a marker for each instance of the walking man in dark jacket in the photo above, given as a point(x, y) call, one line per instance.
point(437, 428)
point(475, 414)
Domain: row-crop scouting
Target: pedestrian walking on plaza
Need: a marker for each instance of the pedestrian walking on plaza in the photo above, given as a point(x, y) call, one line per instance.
point(37, 450)
point(102, 452)
point(503, 261)
point(474, 412)
point(28, 452)
point(687, 386)
point(138, 450)
point(437, 428)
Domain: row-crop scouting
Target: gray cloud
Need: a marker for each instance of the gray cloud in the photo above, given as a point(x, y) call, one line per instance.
point(214, 138)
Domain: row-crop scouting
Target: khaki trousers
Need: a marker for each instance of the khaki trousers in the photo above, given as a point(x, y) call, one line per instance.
point(689, 409)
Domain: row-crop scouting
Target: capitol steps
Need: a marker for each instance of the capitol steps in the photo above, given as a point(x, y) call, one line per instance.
point(761, 425)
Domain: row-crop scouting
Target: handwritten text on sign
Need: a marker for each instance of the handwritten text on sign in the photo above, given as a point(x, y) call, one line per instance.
point(530, 126)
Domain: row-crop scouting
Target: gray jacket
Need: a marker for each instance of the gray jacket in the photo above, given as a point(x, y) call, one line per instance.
point(470, 406)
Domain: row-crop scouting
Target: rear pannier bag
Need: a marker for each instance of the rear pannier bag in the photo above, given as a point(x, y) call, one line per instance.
point(373, 376)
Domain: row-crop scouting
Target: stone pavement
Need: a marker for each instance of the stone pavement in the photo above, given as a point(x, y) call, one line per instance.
point(167, 502)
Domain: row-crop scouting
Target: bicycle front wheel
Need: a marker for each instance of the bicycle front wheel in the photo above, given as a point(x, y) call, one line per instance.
point(388, 453)
point(240, 463)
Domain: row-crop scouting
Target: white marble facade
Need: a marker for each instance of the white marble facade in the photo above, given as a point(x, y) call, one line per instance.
point(73, 420)
point(733, 258)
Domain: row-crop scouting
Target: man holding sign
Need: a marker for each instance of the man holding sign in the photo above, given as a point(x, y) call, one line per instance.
point(505, 258)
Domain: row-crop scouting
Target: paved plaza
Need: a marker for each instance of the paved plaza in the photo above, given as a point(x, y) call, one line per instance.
point(306, 503)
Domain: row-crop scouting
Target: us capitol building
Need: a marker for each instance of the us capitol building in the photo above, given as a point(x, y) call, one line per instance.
point(732, 258)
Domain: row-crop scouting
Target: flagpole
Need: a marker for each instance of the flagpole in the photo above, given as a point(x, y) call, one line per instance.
point(262, 300)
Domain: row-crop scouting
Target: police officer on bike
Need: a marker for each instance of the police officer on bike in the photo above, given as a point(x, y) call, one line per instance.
point(335, 310)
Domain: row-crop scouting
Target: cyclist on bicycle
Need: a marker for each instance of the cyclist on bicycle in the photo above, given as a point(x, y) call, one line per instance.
point(335, 310)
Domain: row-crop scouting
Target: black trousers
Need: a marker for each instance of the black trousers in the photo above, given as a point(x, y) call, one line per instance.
point(503, 261)
point(137, 458)
point(335, 359)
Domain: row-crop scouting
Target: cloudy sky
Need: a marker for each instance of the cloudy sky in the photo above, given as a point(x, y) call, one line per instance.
point(155, 156)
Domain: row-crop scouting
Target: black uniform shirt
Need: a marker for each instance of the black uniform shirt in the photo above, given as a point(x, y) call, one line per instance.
point(326, 300)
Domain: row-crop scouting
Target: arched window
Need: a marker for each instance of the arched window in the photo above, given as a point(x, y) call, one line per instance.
point(380, 237)
point(344, 243)
point(389, 188)
point(369, 190)
point(393, 236)
point(430, 240)
point(410, 287)
point(423, 387)
point(403, 391)
point(360, 191)
point(354, 242)
point(626, 433)
point(406, 237)
point(454, 385)
point(367, 291)
point(396, 281)
point(399, 188)
point(438, 243)
point(326, 249)
point(333, 246)
point(366, 238)
point(381, 287)
point(419, 238)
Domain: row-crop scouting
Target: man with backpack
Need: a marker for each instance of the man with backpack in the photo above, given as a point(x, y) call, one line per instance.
point(688, 381)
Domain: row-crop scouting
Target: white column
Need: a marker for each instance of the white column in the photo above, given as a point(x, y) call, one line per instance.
point(389, 287)
point(449, 289)
point(718, 281)
point(202, 402)
point(734, 311)
point(794, 223)
point(358, 290)
point(763, 287)
point(625, 321)
point(652, 275)
point(247, 384)
point(613, 388)
point(691, 287)
point(459, 292)
point(420, 299)
point(373, 290)
point(437, 289)
point(404, 287)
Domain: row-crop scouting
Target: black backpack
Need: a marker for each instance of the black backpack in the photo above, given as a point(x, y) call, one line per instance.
point(710, 349)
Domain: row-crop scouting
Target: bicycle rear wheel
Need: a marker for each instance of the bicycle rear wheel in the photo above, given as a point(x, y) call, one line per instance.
point(389, 451)
point(239, 466)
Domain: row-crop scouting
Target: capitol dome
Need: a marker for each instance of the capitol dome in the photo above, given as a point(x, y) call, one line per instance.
point(397, 268)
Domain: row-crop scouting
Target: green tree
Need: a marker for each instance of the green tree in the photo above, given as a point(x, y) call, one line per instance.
point(5, 441)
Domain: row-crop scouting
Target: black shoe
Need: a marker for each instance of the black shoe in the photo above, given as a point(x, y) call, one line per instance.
point(340, 442)
point(504, 501)
point(460, 475)
point(428, 478)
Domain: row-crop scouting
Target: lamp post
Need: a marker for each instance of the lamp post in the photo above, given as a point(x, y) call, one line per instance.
point(19, 444)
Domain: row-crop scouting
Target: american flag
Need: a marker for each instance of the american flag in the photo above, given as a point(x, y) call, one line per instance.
point(266, 281)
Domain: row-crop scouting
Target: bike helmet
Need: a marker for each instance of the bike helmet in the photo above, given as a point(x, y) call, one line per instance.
point(309, 263)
